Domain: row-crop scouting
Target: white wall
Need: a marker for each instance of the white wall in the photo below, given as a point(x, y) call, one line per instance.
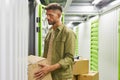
point(13, 39)
point(108, 46)
point(84, 40)
point(108, 35)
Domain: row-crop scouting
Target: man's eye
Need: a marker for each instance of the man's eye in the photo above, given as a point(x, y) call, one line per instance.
point(50, 15)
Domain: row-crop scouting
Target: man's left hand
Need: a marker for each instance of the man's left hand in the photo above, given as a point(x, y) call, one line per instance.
point(44, 70)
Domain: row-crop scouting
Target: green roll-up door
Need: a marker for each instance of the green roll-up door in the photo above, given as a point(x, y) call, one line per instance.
point(42, 25)
point(40, 32)
point(63, 16)
point(76, 50)
point(94, 46)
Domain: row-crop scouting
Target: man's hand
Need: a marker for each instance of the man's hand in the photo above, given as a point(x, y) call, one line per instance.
point(45, 69)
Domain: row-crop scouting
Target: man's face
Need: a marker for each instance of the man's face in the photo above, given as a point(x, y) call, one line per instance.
point(52, 16)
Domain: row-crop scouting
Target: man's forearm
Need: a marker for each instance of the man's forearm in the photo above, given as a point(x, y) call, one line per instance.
point(54, 67)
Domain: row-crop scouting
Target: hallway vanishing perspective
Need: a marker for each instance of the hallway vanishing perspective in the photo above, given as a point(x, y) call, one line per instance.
point(96, 23)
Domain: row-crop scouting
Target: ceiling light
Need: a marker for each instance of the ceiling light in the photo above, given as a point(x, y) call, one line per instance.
point(95, 2)
point(115, 2)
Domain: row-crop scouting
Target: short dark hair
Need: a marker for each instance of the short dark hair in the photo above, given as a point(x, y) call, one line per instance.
point(54, 6)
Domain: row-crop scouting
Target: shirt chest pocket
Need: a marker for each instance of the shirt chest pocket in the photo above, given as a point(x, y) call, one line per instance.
point(59, 47)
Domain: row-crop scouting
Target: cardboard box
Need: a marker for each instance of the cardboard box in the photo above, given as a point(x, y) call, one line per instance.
point(33, 62)
point(81, 67)
point(75, 77)
point(93, 75)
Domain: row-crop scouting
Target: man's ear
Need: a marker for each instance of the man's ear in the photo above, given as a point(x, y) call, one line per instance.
point(59, 14)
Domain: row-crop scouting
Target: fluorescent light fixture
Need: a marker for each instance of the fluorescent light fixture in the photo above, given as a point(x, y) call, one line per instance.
point(96, 2)
point(115, 2)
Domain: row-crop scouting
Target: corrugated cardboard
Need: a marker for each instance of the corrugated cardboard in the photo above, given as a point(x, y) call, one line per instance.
point(81, 67)
point(93, 75)
point(75, 77)
point(33, 67)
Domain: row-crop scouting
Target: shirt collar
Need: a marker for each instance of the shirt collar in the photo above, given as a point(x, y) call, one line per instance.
point(59, 28)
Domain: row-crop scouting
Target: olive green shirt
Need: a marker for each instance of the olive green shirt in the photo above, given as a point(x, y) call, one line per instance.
point(63, 50)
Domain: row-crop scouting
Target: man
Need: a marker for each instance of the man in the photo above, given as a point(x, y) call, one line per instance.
point(59, 47)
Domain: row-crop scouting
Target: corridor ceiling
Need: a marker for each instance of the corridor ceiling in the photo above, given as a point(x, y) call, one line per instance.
point(79, 10)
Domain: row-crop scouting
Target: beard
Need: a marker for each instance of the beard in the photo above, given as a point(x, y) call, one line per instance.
point(51, 23)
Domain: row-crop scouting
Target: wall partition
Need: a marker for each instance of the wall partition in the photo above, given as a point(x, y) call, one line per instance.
point(84, 40)
point(108, 57)
point(119, 47)
point(13, 39)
